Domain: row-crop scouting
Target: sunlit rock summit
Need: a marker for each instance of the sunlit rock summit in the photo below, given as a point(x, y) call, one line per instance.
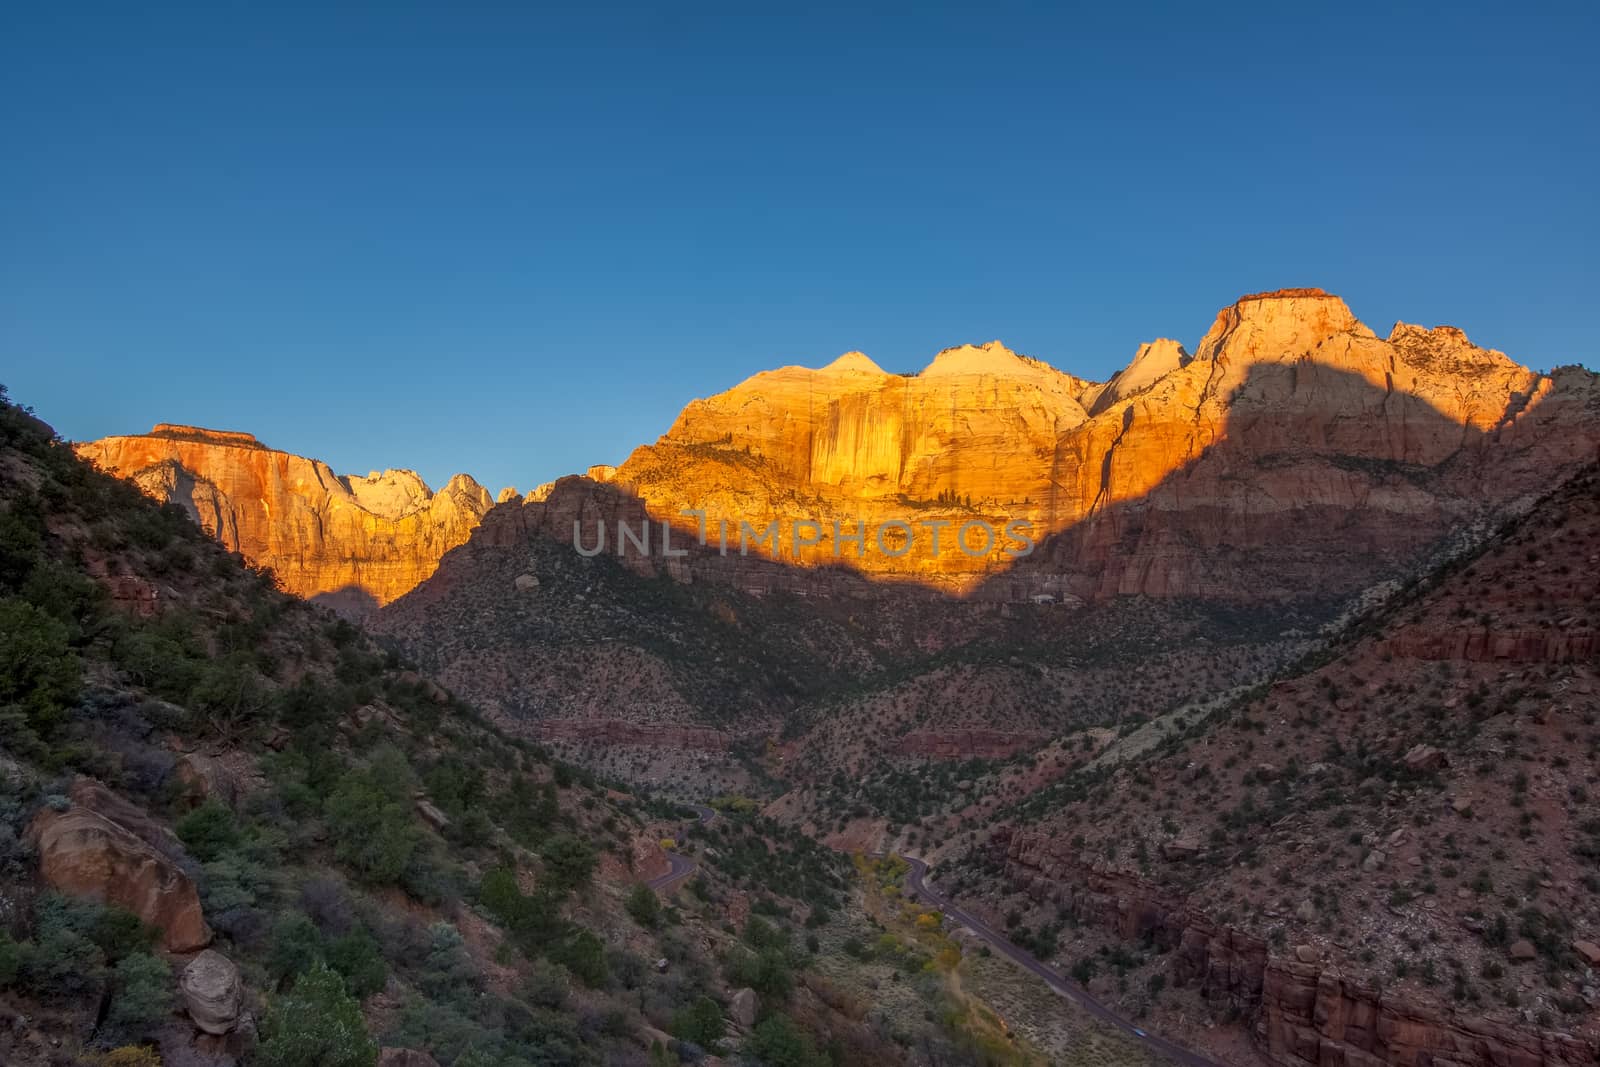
point(356, 542)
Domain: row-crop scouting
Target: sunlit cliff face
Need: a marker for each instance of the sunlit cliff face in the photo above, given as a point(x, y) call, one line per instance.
point(1280, 384)
point(362, 541)
point(1289, 417)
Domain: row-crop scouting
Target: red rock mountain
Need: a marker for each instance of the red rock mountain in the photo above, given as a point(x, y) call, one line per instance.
point(1292, 432)
point(1210, 515)
point(1388, 857)
point(1294, 453)
point(353, 542)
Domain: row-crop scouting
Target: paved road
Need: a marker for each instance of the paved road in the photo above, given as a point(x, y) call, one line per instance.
point(916, 882)
point(682, 866)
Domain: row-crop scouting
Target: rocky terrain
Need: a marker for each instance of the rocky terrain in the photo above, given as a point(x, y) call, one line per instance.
point(353, 543)
point(1279, 738)
point(233, 831)
point(1211, 515)
point(1387, 856)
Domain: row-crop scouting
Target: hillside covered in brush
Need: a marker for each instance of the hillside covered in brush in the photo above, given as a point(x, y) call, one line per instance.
point(235, 831)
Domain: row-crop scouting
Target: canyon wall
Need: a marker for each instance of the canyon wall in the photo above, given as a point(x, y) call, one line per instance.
point(1294, 452)
point(1303, 1011)
point(353, 542)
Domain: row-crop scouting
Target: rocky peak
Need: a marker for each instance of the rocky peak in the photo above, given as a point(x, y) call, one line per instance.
point(1285, 324)
point(1445, 349)
point(227, 438)
point(360, 540)
point(992, 357)
point(1153, 361)
point(853, 363)
point(392, 494)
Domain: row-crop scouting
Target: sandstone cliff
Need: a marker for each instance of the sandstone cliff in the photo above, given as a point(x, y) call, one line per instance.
point(1294, 453)
point(1293, 436)
point(354, 542)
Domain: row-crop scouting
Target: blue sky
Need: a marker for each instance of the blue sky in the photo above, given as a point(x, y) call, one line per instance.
point(512, 242)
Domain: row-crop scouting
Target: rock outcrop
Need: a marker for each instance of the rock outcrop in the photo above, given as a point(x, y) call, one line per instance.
point(200, 778)
point(1294, 452)
point(212, 992)
point(1306, 1012)
point(97, 852)
point(742, 1008)
point(354, 542)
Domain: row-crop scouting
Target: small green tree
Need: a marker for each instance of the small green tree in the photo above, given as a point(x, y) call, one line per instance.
point(369, 813)
point(296, 947)
point(644, 906)
point(143, 993)
point(316, 1022)
point(568, 861)
point(500, 895)
point(778, 1042)
point(584, 955)
point(10, 959)
point(357, 958)
point(37, 668)
point(699, 1021)
point(208, 831)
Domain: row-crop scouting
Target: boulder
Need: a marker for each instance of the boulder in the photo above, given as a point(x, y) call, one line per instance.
point(742, 1008)
point(212, 992)
point(1589, 951)
point(432, 815)
point(526, 583)
point(82, 853)
point(1522, 951)
point(1424, 758)
point(202, 778)
point(1307, 953)
point(1184, 848)
point(85, 792)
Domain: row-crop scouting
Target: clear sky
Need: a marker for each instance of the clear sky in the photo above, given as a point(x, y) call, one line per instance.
point(487, 238)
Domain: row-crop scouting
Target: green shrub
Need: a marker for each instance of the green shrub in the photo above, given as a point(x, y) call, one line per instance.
point(357, 959)
point(62, 962)
point(568, 861)
point(447, 971)
point(38, 671)
point(700, 1022)
point(777, 1042)
point(296, 947)
point(644, 906)
point(208, 831)
point(369, 815)
point(582, 953)
point(10, 960)
point(768, 972)
point(500, 895)
point(143, 993)
point(316, 1022)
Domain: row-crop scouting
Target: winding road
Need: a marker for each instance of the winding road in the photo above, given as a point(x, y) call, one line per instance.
point(679, 866)
point(916, 882)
